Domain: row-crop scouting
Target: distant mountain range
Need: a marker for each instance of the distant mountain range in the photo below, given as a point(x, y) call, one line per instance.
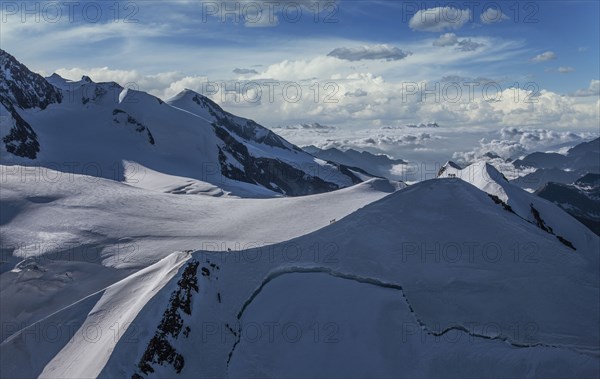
point(580, 199)
point(377, 164)
point(560, 168)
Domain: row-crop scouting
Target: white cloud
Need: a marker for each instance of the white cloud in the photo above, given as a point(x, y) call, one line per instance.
point(492, 15)
point(439, 19)
point(374, 52)
point(592, 90)
point(547, 56)
point(513, 142)
point(565, 69)
point(450, 39)
point(447, 39)
point(468, 45)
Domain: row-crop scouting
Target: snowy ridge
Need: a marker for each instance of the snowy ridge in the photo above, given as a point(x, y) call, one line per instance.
point(538, 211)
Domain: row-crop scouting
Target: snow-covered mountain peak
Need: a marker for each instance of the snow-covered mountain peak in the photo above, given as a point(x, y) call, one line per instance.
point(481, 174)
point(190, 137)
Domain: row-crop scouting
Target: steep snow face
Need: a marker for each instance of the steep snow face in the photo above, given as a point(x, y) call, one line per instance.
point(439, 274)
point(93, 128)
point(207, 109)
point(248, 151)
point(540, 212)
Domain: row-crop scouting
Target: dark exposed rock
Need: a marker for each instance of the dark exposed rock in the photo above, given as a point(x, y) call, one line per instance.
point(160, 350)
point(542, 225)
point(99, 92)
point(539, 221)
point(288, 180)
point(22, 139)
point(24, 88)
point(497, 200)
point(129, 120)
point(566, 242)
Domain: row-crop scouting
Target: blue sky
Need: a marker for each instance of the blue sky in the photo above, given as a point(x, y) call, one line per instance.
point(369, 50)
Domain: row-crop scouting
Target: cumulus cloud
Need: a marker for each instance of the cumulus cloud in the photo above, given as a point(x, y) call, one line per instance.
point(439, 19)
point(592, 90)
point(447, 39)
point(374, 52)
point(450, 39)
point(468, 45)
point(543, 57)
point(244, 71)
point(492, 15)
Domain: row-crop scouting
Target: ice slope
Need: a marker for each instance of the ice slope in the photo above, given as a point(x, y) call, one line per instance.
point(433, 280)
point(538, 211)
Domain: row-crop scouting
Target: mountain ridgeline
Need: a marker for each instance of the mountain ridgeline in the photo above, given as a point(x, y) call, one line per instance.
point(101, 129)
